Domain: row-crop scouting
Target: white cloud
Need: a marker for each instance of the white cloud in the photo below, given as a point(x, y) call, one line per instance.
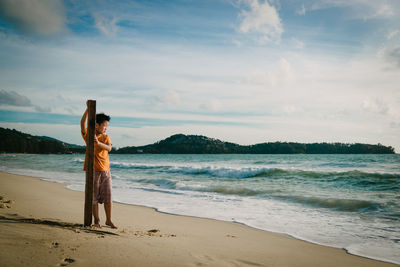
point(169, 99)
point(280, 76)
point(395, 124)
point(298, 44)
point(261, 19)
point(301, 11)
point(361, 9)
point(393, 34)
point(289, 109)
point(107, 26)
point(384, 10)
point(376, 106)
point(42, 17)
point(42, 109)
point(212, 104)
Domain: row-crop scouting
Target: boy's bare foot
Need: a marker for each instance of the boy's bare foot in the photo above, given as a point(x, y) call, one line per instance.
point(111, 224)
point(97, 224)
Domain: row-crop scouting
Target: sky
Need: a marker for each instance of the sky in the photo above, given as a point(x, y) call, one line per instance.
point(244, 71)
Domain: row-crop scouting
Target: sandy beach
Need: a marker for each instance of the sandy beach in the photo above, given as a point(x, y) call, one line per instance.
point(41, 225)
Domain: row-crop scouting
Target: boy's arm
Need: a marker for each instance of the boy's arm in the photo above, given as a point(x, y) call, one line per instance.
point(102, 145)
point(83, 122)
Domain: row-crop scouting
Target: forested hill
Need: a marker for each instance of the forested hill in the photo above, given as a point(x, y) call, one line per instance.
point(196, 144)
point(13, 141)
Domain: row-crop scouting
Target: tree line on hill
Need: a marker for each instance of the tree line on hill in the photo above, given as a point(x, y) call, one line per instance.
point(195, 144)
point(13, 141)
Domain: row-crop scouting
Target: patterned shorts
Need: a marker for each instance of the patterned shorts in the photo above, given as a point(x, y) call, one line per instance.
point(102, 187)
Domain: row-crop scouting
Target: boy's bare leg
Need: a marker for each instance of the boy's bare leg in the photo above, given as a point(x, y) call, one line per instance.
point(107, 209)
point(95, 209)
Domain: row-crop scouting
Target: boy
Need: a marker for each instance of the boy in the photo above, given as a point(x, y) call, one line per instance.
point(102, 176)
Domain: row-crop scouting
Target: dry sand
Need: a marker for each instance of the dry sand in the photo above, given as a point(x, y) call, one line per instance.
point(41, 225)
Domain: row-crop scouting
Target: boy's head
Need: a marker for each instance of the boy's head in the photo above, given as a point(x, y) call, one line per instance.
point(102, 123)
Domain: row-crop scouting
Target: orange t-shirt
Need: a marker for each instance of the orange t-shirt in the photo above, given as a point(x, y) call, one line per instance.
point(101, 159)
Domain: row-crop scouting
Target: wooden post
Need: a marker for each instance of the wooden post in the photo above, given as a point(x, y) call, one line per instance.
point(91, 130)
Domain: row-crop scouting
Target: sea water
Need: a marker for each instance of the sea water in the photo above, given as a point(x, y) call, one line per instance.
point(345, 201)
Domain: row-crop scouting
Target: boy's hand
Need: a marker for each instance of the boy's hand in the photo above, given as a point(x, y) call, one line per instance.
point(102, 145)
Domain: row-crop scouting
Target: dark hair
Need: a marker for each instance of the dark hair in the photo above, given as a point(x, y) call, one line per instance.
point(101, 117)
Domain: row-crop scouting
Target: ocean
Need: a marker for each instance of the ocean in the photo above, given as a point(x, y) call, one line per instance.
point(344, 201)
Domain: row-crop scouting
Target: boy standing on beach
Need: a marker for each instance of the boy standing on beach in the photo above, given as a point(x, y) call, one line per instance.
point(102, 177)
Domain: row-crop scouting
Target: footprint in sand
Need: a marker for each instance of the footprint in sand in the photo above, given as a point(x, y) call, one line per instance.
point(67, 261)
point(4, 203)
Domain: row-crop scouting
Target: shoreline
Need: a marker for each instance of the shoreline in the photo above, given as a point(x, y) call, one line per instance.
point(188, 239)
point(155, 209)
point(284, 234)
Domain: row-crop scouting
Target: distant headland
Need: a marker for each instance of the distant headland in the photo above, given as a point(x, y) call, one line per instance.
point(13, 141)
